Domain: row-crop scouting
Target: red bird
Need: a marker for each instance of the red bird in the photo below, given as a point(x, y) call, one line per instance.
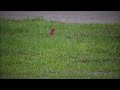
point(52, 31)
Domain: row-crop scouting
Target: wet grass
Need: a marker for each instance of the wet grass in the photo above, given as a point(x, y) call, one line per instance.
point(75, 51)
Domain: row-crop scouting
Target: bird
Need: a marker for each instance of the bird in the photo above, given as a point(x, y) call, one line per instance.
point(52, 31)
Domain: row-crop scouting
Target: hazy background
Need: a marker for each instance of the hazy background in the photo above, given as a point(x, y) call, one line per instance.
point(67, 16)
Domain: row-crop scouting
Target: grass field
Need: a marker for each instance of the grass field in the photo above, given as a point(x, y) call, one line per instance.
point(76, 51)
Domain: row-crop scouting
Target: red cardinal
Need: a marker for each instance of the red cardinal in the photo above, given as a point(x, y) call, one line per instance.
point(52, 31)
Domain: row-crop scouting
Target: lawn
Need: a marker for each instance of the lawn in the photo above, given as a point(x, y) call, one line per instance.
point(76, 51)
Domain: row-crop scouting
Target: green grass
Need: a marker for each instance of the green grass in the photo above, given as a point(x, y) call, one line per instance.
point(76, 51)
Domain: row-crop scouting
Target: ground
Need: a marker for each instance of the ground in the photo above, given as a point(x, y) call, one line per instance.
point(76, 51)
